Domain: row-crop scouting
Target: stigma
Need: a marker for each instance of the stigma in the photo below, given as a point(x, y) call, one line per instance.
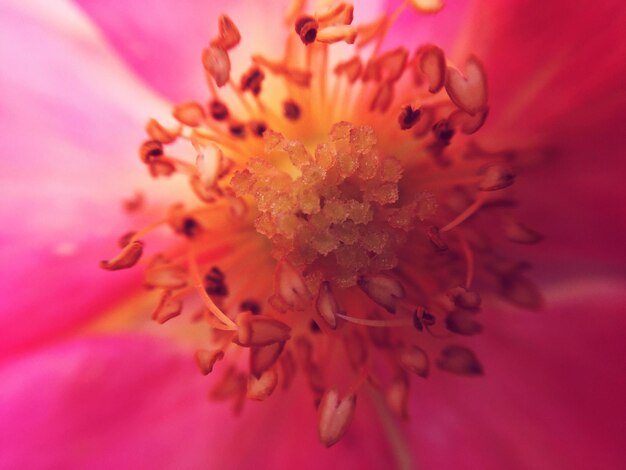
point(340, 221)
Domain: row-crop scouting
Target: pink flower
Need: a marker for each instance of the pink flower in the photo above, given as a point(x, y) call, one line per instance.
point(87, 382)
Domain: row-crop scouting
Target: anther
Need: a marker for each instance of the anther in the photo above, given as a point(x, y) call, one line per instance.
point(306, 28)
point(128, 257)
point(251, 306)
point(259, 330)
point(466, 122)
point(464, 298)
point(264, 357)
point(352, 69)
point(228, 36)
point(191, 227)
point(327, 305)
point(408, 117)
point(392, 63)
point(252, 80)
point(432, 63)
point(168, 308)
point(469, 94)
point(443, 132)
point(262, 387)
point(218, 110)
point(333, 34)
point(427, 6)
point(436, 239)
point(334, 416)
point(415, 360)
point(382, 289)
point(237, 130)
point(496, 177)
point(291, 110)
point(150, 150)
point(189, 113)
point(160, 133)
point(217, 64)
point(459, 360)
point(462, 323)
point(206, 359)
point(519, 233)
point(383, 97)
point(257, 128)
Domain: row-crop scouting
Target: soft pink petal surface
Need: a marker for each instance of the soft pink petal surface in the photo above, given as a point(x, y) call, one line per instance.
point(163, 41)
point(68, 163)
point(132, 402)
point(552, 394)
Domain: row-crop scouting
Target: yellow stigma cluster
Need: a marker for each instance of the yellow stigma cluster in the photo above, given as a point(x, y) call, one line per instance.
point(336, 210)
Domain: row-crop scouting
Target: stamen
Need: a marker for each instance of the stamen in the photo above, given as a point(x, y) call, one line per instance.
point(306, 28)
point(519, 233)
point(459, 360)
point(218, 110)
point(469, 94)
point(415, 360)
point(382, 289)
point(261, 388)
point(291, 110)
point(228, 36)
point(432, 63)
point(375, 323)
point(217, 64)
point(128, 257)
point(262, 358)
point(334, 416)
point(408, 117)
point(206, 359)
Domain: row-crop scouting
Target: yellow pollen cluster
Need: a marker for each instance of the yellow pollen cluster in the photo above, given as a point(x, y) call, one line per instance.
point(339, 221)
point(338, 210)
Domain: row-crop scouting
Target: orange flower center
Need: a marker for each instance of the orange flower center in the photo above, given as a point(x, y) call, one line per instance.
point(342, 216)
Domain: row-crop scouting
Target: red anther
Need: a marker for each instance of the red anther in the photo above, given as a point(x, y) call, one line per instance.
point(408, 117)
point(436, 239)
point(327, 305)
point(464, 298)
point(228, 36)
point(415, 360)
point(252, 80)
point(307, 27)
point(466, 122)
point(470, 92)
point(351, 68)
point(334, 416)
point(218, 110)
point(264, 357)
point(260, 330)
point(150, 150)
point(496, 177)
point(206, 359)
point(189, 113)
point(128, 257)
point(463, 323)
point(260, 388)
point(217, 64)
point(160, 133)
point(432, 63)
point(291, 110)
point(459, 360)
point(520, 233)
point(382, 289)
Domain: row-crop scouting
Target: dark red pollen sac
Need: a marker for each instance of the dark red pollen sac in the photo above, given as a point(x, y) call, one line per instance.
point(250, 306)
point(436, 239)
point(252, 80)
point(306, 28)
point(190, 227)
point(291, 110)
point(237, 130)
point(150, 150)
point(258, 128)
point(215, 283)
point(408, 117)
point(218, 110)
point(443, 132)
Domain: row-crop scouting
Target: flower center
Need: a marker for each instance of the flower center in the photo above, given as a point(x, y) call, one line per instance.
point(342, 217)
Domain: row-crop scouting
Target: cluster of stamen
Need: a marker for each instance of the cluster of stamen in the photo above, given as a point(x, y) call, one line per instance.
point(343, 213)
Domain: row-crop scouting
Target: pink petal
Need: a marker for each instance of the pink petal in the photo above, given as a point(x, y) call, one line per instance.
point(122, 402)
point(551, 396)
point(71, 111)
point(163, 41)
point(416, 29)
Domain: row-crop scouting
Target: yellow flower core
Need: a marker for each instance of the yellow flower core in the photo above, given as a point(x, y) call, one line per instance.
point(343, 218)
